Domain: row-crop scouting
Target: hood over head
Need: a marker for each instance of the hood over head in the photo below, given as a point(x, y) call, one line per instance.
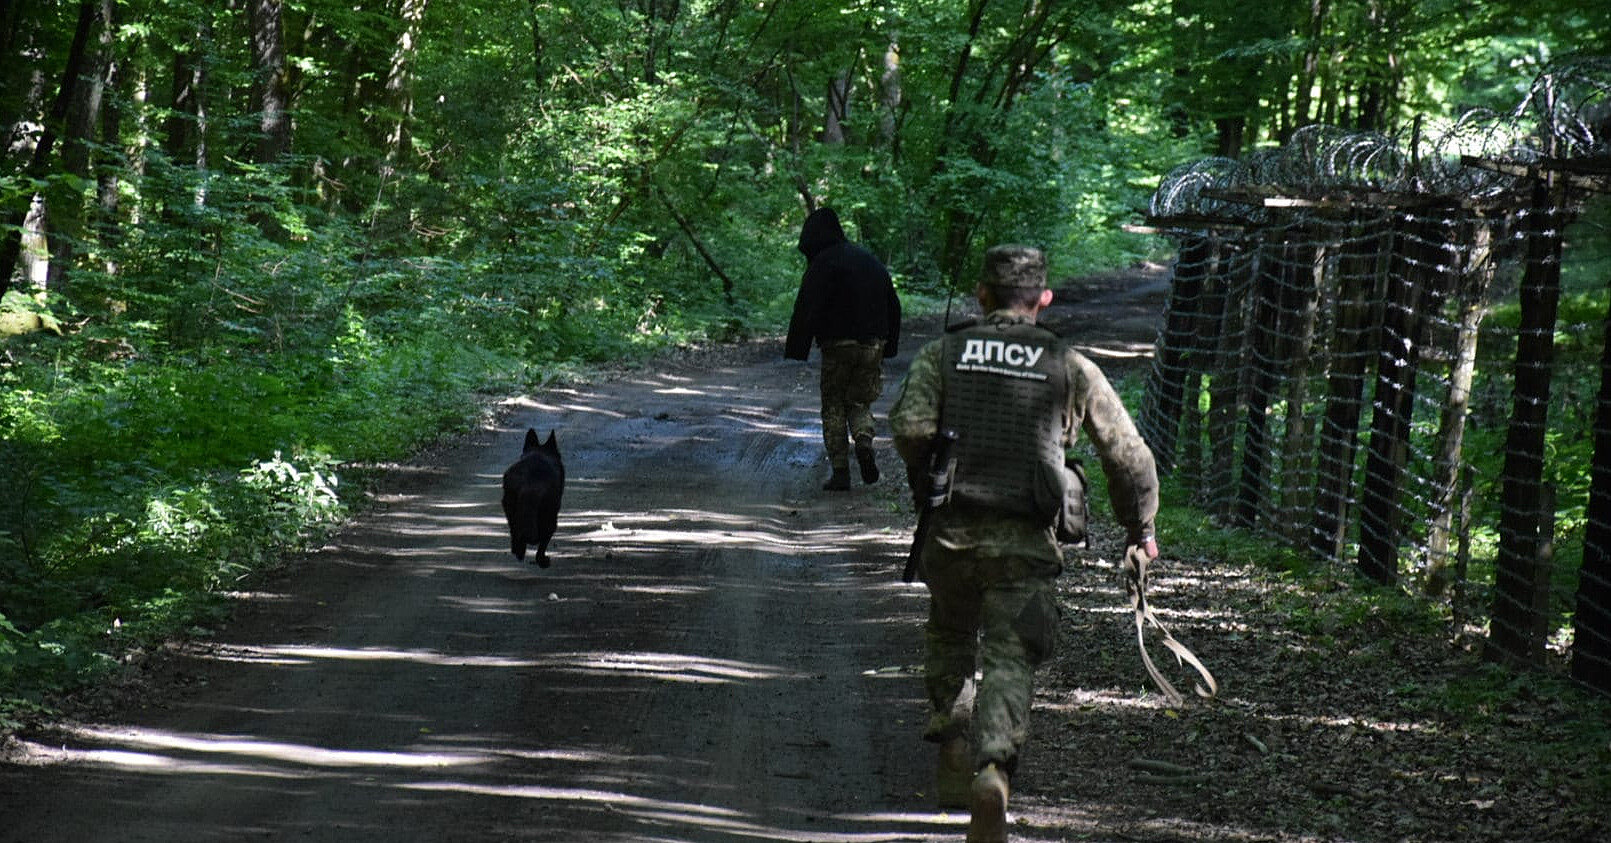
point(820, 230)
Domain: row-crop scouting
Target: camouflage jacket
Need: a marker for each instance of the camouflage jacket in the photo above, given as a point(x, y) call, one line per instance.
point(1093, 407)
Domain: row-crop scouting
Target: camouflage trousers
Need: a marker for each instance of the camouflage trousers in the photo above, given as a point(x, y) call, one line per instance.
point(997, 615)
point(852, 378)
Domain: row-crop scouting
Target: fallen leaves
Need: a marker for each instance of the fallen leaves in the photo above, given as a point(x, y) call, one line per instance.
point(1337, 721)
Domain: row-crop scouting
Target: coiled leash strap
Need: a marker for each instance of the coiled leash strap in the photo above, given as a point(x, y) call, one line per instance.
point(1135, 571)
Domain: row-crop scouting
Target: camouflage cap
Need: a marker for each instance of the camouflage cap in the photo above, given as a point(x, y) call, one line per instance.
point(1015, 266)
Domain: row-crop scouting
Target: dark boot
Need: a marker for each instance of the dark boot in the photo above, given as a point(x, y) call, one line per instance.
point(864, 458)
point(953, 774)
point(988, 823)
point(839, 481)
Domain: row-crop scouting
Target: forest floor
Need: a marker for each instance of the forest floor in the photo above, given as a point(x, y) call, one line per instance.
point(723, 652)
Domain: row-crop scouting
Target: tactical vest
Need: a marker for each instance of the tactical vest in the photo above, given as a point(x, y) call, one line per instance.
point(1005, 392)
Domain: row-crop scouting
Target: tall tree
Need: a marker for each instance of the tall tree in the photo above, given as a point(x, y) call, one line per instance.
point(39, 162)
point(1591, 645)
point(80, 133)
point(399, 82)
point(265, 22)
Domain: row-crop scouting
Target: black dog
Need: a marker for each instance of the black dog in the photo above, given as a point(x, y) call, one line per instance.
point(531, 490)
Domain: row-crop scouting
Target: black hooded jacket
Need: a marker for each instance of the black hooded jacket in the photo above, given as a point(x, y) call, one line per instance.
point(846, 292)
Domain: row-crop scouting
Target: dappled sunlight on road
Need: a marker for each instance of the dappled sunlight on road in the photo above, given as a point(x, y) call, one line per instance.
point(303, 654)
point(251, 748)
point(686, 817)
point(763, 528)
point(663, 667)
point(668, 667)
point(666, 589)
point(147, 762)
point(489, 605)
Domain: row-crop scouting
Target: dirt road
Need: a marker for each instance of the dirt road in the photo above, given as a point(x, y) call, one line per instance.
point(720, 652)
point(708, 658)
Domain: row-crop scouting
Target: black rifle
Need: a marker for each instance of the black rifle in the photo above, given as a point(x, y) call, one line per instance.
point(939, 492)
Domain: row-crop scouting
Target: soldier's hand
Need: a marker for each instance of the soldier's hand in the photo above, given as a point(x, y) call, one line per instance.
point(1138, 554)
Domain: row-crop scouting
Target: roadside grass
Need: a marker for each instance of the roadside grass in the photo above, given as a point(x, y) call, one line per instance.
point(143, 488)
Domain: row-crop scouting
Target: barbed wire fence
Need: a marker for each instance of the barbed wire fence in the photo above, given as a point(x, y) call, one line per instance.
point(1362, 356)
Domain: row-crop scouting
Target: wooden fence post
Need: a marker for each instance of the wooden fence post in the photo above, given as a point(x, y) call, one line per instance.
point(1357, 320)
point(1204, 339)
point(1224, 389)
point(1476, 275)
point(1300, 300)
point(1521, 569)
point(1264, 341)
point(1415, 288)
point(1591, 640)
point(1176, 354)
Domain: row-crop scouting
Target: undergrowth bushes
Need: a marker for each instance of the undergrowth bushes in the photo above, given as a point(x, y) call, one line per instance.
point(177, 438)
point(140, 489)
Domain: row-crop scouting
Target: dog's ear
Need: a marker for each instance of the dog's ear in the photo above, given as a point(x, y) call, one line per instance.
point(531, 440)
point(551, 444)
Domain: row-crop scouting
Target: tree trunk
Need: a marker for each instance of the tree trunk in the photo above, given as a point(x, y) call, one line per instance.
point(1204, 361)
point(1591, 641)
point(269, 101)
point(1309, 63)
point(835, 109)
point(1230, 135)
point(111, 156)
point(38, 164)
point(699, 246)
point(659, 19)
point(184, 106)
point(399, 82)
point(1301, 304)
point(1263, 329)
point(537, 72)
point(1416, 287)
point(1478, 272)
point(1225, 389)
point(1355, 323)
point(890, 94)
point(1177, 350)
point(957, 225)
point(1521, 572)
point(68, 204)
point(22, 84)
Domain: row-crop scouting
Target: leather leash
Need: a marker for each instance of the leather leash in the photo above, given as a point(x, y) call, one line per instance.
point(1136, 582)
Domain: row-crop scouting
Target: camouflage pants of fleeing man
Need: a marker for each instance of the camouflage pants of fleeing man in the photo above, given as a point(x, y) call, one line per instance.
point(852, 379)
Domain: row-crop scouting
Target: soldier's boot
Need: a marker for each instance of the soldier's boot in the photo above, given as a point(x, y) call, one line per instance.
point(988, 823)
point(864, 458)
point(839, 481)
point(953, 774)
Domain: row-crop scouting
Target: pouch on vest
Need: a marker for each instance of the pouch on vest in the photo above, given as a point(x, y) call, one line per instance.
point(1075, 512)
point(1050, 495)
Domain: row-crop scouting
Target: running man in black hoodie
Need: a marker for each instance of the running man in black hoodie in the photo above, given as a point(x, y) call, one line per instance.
point(848, 307)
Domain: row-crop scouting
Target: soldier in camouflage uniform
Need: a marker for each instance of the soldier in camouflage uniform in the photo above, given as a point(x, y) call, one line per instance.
point(1018, 397)
point(848, 307)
